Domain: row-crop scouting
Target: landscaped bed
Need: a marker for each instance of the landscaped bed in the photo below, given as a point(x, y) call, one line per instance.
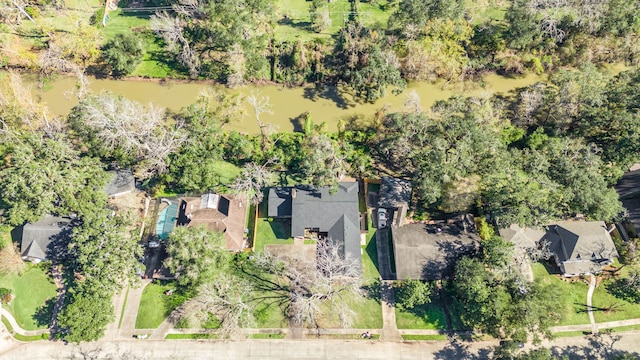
point(31, 291)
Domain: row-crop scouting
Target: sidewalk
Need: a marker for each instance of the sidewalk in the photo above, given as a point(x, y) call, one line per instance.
point(17, 329)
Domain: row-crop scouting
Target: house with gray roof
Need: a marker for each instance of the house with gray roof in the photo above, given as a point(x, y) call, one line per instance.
point(38, 236)
point(628, 189)
point(428, 251)
point(395, 194)
point(315, 210)
point(578, 247)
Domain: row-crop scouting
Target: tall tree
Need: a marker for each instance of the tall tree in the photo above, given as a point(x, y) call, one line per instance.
point(195, 255)
point(122, 54)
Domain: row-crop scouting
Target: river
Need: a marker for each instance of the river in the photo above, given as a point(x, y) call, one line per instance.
point(287, 103)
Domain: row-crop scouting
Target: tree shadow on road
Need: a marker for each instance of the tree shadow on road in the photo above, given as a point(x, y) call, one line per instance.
point(460, 350)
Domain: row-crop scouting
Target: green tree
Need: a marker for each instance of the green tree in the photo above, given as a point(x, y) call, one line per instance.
point(86, 314)
point(47, 176)
point(105, 252)
point(416, 13)
point(122, 54)
point(411, 293)
point(496, 252)
point(196, 255)
point(322, 162)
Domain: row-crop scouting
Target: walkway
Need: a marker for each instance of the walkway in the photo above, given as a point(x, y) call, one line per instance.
point(592, 287)
point(119, 300)
point(389, 328)
point(128, 323)
point(56, 274)
point(16, 328)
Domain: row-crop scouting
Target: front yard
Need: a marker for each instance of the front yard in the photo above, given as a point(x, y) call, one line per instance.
point(31, 291)
point(155, 306)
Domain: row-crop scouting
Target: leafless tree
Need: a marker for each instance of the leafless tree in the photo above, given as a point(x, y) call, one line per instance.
point(10, 260)
point(52, 61)
point(253, 179)
point(228, 298)
point(171, 30)
point(412, 102)
point(324, 285)
point(141, 130)
point(237, 62)
point(260, 106)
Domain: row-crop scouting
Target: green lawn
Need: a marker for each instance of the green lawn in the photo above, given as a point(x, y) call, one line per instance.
point(424, 337)
point(273, 231)
point(31, 290)
point(270, 316)
point(602, 298)
point(572, 294)
point(154, 307)
point(120, 22)
point(297, 20)
point(429, 316)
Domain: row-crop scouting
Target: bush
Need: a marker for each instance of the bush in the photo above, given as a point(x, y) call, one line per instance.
point(5, 295)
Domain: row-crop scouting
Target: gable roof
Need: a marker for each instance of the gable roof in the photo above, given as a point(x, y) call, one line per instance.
point(316, 208)
point(279, 202)
point(429, 251)
point(394, 193)
point(37, 236)
point(217, 212)
point(526, 237)
point(581, 241)
point(121, 182)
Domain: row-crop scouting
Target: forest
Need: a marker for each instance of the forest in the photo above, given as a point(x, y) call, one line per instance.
point(551, 150)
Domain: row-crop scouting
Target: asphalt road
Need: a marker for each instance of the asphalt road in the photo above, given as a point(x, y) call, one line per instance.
point(576, 348)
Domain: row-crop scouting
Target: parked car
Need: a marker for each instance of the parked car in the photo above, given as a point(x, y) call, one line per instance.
point(382, 218)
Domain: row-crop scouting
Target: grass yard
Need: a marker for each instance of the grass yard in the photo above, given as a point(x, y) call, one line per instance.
point(424, 337)
point(271, 232)
point(428, 316)
point(120, 22)
point(271, 316)
point(31, 290)
point(573, 295)
point(154, 306)
point(294, 20)
point(191, 337)
point(267, 336)
point(624, 309)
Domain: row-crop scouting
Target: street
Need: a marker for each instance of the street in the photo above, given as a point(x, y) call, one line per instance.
point(575, 347)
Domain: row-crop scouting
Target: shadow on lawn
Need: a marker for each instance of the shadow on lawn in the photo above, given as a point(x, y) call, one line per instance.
point(43, 315)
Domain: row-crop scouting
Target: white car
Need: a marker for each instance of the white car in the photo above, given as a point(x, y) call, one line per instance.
point(382, 218)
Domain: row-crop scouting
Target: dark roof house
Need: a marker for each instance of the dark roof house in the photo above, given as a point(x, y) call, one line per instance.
point(580, 247)
point(628, 188)
point(120, 182)
point(217, 212)
point(428, 251)
point(394, 193)
point(37, 237)
point(315, 209)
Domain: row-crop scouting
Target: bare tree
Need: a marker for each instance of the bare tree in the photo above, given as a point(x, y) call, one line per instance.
point(10, 260)
point(253, 179)
point(141, 130)
point(236, 60)
point(325, 285)
point(171, 30)
point(260, 106)
point(412, 102)
point(228, 298)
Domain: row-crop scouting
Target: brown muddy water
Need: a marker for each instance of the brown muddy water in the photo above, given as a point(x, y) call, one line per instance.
point(327, 105)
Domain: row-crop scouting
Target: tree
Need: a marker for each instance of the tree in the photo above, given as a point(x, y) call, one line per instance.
point(86, 313)
point(195, 255)
point(363, 65)
point(496, 252)
point(122, 54)
point(309, 289)
point(411, 293)
point(46, 176)
point(416, 13)
point(229, 299)
point(104, 250)
point(322, 163)
point(128, 132)
point(253, 179)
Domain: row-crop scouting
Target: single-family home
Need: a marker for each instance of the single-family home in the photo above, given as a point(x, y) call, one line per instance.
point(37, 237)
point(428, 251)
point(316, 211)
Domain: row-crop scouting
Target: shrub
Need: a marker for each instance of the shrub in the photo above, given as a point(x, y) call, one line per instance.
point(5, 295)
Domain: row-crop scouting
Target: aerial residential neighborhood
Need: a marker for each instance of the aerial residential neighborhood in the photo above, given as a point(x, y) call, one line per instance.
point(311, 179)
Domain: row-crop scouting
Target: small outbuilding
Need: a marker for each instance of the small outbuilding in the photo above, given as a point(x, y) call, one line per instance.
point(121, 182)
